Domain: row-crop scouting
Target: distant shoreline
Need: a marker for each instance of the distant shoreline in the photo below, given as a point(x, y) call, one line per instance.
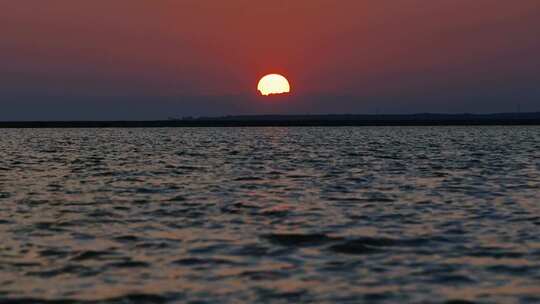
point(504, 119)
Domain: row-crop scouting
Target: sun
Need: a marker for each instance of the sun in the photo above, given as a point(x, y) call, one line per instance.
point(273, 84)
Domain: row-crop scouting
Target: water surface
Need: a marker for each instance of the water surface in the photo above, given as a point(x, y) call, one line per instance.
point(277, 215)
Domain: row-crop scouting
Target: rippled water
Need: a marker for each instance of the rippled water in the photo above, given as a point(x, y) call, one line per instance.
point(285, 215)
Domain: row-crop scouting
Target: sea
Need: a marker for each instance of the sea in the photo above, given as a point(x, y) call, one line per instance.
point(446, 215)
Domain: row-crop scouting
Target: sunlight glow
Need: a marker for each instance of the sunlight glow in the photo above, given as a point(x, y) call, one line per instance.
point(273, 84)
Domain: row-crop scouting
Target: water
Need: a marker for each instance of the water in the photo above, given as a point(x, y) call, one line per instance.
point(274, 215)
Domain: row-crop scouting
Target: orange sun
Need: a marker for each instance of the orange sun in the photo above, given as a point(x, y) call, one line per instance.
point(273, 84)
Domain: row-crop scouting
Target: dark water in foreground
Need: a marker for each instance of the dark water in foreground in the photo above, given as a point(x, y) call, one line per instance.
point(281, 215)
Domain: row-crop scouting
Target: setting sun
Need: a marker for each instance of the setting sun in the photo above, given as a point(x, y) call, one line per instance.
point(273, 84)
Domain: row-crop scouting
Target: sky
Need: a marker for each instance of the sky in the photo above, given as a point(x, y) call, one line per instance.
point(146, 59)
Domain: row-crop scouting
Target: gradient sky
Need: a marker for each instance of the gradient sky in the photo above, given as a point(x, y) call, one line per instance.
point(146, 59)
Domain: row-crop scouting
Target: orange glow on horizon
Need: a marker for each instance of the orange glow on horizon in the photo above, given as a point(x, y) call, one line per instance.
point(273, 84)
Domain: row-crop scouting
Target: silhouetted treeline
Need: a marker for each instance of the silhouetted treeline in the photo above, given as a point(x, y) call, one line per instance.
point(424, 119)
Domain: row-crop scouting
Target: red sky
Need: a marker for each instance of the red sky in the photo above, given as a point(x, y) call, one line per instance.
point(403, 56)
